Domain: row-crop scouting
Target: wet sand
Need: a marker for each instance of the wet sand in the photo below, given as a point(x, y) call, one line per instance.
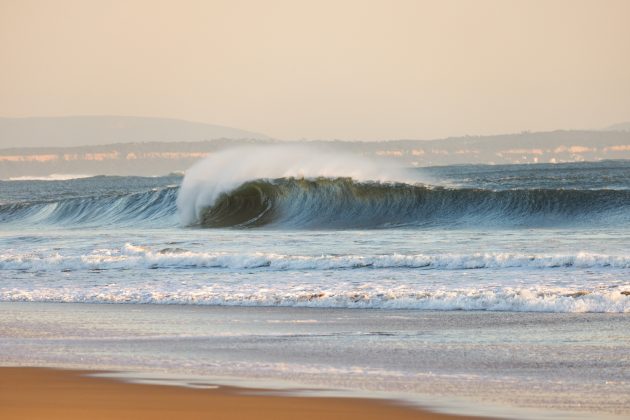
point(29, 393)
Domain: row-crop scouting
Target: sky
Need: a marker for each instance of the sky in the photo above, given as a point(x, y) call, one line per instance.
point(351, 70)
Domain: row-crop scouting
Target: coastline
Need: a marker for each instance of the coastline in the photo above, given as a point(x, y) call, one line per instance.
point(33, 392)
point(460, 363)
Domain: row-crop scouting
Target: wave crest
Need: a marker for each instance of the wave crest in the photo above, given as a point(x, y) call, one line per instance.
point(207, 182)
point(342, 203)
point(338, 203)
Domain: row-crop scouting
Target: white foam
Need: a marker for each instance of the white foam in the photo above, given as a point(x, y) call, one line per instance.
point(223, 171)
point(136, 257)
point(520, 299)
point(261, 287)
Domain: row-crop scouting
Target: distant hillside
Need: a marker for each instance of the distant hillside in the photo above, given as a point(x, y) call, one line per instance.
point(625, 126)
point(159, 158)
point(96, 130)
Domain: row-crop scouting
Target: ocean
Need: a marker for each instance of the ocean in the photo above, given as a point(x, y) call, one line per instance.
point(505, 284)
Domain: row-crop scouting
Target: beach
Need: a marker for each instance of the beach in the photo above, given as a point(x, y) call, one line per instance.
point(315, 210)
point(68, 394)
point(505, 365)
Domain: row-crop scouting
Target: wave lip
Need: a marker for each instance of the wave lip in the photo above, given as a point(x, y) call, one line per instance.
point(343, 203)
point(214, 177)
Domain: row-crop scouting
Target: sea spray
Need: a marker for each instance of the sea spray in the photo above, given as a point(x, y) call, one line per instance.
point(224, 171)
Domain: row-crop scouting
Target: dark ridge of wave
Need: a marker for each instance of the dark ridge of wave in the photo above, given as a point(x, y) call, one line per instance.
point(339, 203)
point(342, 203)
point(157, 206)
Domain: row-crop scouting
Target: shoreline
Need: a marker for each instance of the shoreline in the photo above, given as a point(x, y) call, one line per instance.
point(36, 392)
point(338, 354)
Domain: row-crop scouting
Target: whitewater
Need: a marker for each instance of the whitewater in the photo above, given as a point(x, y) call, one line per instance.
point(292, 227)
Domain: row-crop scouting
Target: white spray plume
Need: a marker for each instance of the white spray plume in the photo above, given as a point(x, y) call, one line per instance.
point(224, 171)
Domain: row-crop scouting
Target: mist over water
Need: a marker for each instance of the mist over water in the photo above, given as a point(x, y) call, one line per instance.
point(222, 172)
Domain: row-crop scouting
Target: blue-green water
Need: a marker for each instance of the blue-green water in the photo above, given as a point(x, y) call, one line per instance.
point(498, 285)
point(550, 238)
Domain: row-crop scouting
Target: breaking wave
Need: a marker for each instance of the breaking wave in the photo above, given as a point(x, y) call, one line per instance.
point(301, 188)
point(343, 203)
point(296, 187)
point(337, 203)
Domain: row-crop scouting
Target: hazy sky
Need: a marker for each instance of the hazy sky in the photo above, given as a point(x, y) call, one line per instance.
point(322, 69)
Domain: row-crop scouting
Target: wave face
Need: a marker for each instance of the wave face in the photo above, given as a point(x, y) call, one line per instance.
point(300, 188)
point(342, 203)
point(297, 188)
point(336, 203)
point(211, 179)
point(154, 207)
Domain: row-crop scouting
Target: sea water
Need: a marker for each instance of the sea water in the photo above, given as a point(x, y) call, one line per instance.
point(396, 265)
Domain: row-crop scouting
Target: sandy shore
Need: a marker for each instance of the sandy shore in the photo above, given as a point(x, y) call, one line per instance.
point(28, 393)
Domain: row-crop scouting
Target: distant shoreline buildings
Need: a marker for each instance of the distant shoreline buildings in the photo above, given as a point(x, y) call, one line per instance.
point(160, 158)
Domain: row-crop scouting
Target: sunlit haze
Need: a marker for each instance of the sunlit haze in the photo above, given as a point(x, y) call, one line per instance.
point(322, 70)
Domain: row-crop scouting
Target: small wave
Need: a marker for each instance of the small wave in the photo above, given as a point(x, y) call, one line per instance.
point(523, 299)
point(335, 294)
point(155, 206)
point(135, 257)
